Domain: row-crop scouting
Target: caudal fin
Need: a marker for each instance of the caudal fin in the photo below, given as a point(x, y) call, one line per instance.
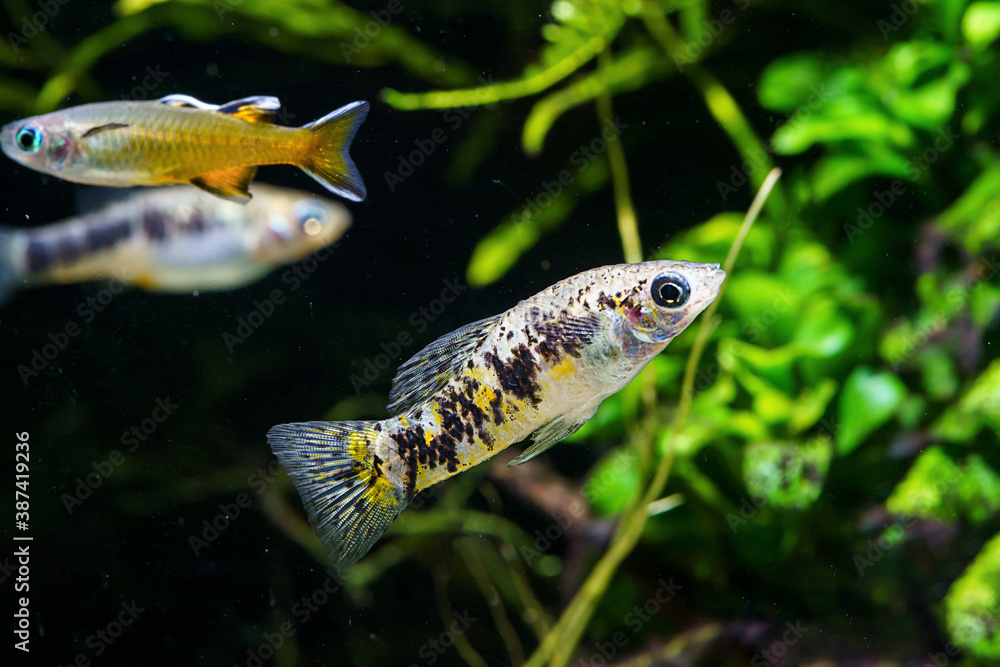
point(328, 160)
point(349, 500)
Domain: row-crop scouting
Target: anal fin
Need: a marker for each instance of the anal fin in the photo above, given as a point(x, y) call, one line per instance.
point(232, 183)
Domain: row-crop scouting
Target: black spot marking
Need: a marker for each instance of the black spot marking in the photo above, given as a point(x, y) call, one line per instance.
point(107, 235)
point(67, 250)
point(38, 257)
point(154, 225)
point(518, 374)
point(606, 301)
point(408, 443)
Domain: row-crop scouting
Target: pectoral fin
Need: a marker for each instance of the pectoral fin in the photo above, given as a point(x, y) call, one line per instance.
point(549, 434)
point(232, 183)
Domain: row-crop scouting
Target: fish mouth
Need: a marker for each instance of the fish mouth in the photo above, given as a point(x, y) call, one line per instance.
point(717, 277)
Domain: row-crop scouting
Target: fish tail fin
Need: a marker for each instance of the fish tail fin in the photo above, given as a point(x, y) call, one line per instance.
point(9, 276)
point(342, 484)
point(328, 160)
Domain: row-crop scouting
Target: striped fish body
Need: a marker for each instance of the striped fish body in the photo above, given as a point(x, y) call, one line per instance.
point(175, 239)
point(179, 139)
point(539, 370)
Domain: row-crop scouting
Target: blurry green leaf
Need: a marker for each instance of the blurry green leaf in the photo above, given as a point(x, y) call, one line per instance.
point(770, 403)
point(835, 172)
point(811, 405)
point(613, 482)
point(768, 306)
point(981, 24)
point(869, 399)
point(824, 331)
point(938, 370)
point(787, 474)
point(924, 492)
point(862, 124)
point(936, 487)
point(973, 604)
point(978, 408)
point(787, 83)
point(974, 218)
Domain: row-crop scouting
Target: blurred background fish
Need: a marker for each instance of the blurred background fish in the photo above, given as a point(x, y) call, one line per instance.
point(174, 239)
point(179, 139)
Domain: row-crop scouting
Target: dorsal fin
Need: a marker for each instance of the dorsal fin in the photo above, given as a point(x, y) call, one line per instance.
point(431, 368)
point(254, 109)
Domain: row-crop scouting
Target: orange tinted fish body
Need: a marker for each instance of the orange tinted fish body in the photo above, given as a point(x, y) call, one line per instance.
point(179, 139)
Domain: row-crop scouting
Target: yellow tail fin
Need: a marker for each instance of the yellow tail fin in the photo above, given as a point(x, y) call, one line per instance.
point(328, 160)
point(349, 500)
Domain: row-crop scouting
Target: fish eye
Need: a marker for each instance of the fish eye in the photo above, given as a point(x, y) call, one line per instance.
point(310, 216)
point(670, 290)
point(29, 139)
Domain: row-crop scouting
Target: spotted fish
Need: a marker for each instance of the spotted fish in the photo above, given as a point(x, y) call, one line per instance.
point(174, 239)
point(539, 370)
point(179, 139)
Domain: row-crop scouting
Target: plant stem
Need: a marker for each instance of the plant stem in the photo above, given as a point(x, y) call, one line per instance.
point(628, 226)
point(558, 646)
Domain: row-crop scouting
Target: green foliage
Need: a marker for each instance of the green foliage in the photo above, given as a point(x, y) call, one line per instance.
point(973, 604)
point(869, 400)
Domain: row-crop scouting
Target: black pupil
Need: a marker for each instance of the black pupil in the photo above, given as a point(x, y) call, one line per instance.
point(670, 293)
point(26, 139)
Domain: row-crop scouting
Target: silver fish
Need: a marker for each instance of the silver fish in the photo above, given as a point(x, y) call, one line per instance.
point(539, 370)
point(174, 239)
